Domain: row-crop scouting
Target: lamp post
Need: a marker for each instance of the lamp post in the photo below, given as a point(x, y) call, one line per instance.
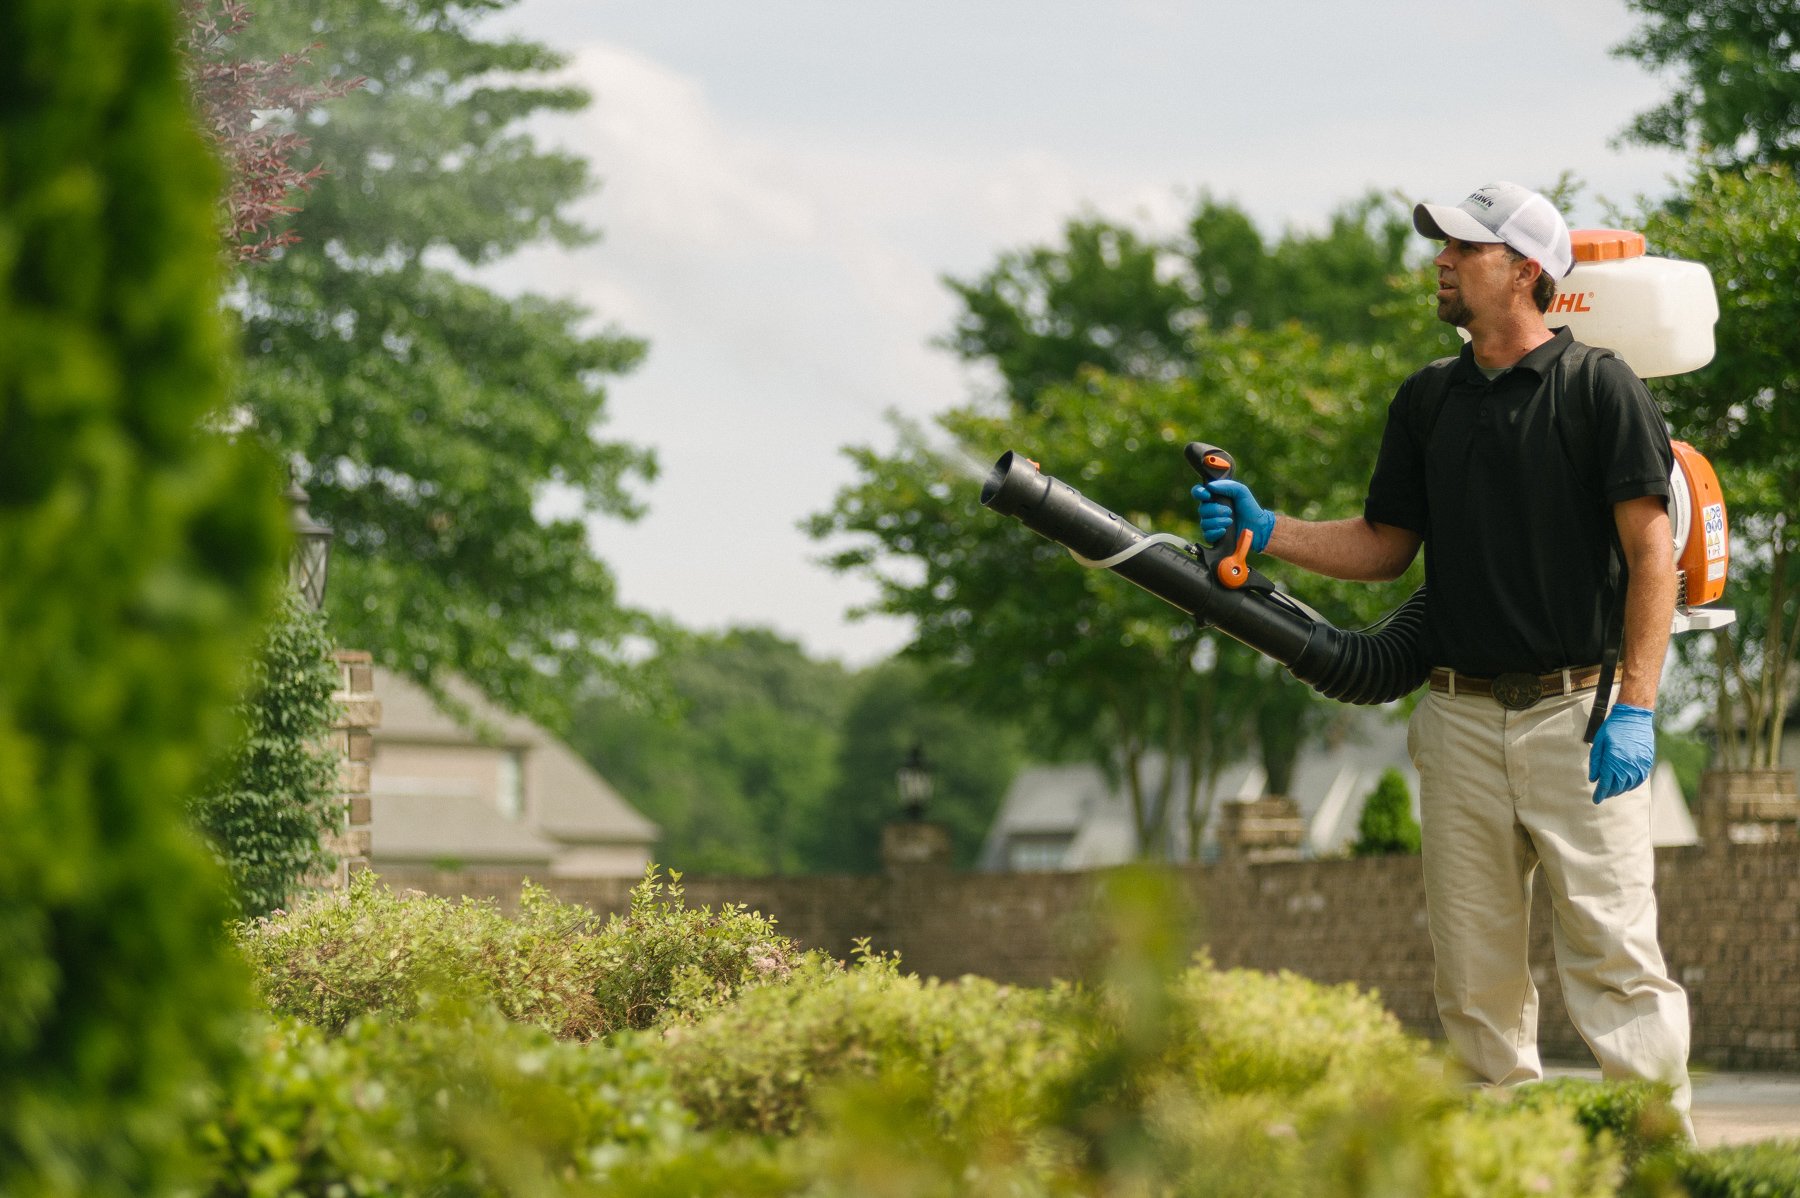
point(312, 549)
point(914, 780)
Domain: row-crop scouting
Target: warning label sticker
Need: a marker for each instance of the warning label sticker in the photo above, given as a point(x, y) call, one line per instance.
point(1712, 518)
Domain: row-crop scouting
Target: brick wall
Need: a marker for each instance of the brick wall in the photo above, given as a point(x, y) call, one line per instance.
point(1730, 929)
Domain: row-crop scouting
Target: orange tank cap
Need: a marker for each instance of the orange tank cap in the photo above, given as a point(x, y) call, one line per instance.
point(1602, 245)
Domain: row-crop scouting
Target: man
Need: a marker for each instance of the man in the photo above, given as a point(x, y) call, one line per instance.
point(1517, 494)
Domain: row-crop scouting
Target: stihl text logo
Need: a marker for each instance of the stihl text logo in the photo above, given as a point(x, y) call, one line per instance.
point(1572, 301)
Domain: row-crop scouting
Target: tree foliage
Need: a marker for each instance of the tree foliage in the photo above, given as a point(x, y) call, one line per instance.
point(1112, 299)
point(1736, 94)
point(769, 761)
point(139, 554)
point(241, 103)
point(1386, 825)
point(736, 770)
point(1744, 411)
point(972, 760)
point(431, 414)
point(281, 791)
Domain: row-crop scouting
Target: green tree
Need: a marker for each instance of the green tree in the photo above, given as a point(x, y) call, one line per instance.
point(1736, 94)
point(1744, 411)
point(430, 414)
point(1101, 300)
point(972, 761)
point(736, 770)
point(1334, 282)
point(140, 553)
point(281, 794)
point(1386, 825)
point(1109, 298)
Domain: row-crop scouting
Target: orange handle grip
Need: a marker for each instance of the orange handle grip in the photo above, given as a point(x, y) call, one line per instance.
point(1234, 571)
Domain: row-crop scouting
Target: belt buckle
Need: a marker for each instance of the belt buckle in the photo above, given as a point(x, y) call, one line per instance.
point(1518, 691)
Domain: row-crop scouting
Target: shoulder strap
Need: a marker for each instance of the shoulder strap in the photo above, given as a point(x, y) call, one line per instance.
point(1573, 398)
point(1574, 418)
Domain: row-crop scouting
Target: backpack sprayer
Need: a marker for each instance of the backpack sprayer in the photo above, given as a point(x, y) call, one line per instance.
point(1655, 313)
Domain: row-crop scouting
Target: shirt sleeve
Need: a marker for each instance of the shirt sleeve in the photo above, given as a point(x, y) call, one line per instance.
point(1397, 488)
point(1630, 435)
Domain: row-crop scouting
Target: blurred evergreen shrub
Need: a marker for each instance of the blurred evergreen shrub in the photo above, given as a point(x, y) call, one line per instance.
point(137, 555)
point(1387, 825)
point(338, 956)
point(280, 789)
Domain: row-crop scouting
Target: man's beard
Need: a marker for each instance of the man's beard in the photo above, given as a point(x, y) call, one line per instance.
point(1454, 311)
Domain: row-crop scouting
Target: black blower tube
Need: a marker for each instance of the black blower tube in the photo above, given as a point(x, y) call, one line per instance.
point(1375, 666)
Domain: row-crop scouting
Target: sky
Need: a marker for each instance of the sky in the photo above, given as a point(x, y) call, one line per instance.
point(785, 184)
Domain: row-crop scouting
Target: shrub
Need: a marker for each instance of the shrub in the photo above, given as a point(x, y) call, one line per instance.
point(458, 1101)
point(1285, 1035)
point(988, 1051)
point(556, 965)
point(1498, 1149)
point(1765, 1170)
point(139, 555)
point(281, 792)
point(1635, 1115)
point(1386, 825)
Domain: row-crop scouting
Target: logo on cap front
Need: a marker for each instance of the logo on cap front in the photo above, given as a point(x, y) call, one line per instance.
point(1480, 197)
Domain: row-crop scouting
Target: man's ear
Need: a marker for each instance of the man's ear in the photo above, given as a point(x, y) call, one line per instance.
point(1529, 270)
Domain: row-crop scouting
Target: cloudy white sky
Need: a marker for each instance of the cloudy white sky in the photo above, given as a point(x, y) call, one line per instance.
point(786, 182)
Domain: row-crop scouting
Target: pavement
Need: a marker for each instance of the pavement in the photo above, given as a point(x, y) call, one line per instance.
point(1732, 1108)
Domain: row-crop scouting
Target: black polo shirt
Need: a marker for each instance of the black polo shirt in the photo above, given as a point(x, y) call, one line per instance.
point(1519, 567)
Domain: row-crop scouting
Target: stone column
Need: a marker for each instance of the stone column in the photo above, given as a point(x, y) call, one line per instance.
point(914, 844)
point(1265, 829)
point(353, 740)
point(1748, 806)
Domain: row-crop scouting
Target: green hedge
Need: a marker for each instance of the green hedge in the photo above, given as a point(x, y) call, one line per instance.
point(711, 1075)
point(139, 554)
point(1766, 1170)
point(339, 956)
point(989, 1052)
point(454, 1101)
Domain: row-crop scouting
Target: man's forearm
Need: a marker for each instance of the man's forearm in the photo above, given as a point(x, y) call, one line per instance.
point(1649, 609)
point(1353, 549)
point(1649, 597)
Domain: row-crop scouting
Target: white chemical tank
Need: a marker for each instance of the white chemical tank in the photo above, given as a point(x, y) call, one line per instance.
point(1656, 313)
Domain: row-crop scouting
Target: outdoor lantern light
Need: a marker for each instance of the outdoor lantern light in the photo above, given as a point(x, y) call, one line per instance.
point(312, 550)
point(914, 780)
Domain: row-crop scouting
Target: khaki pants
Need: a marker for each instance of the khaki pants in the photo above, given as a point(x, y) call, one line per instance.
point(1501, 793)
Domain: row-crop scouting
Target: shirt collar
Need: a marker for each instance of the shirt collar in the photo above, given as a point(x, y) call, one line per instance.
point(1538, 361)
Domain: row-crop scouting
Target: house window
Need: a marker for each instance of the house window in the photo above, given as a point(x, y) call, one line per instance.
point(511, 784)
point(1036, 852)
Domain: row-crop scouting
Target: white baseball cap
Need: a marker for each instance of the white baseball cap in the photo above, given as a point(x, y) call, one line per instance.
point(1508, 214)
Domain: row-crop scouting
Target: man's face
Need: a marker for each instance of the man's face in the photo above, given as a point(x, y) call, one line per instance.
point(1474, 278)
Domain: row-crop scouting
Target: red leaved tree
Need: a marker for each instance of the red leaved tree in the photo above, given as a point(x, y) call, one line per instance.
point(248, 110)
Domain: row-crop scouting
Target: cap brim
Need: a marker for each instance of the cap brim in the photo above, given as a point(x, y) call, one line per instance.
point(1440, 222)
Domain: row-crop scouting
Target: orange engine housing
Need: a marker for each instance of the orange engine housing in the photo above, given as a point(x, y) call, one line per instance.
point(1702, 536)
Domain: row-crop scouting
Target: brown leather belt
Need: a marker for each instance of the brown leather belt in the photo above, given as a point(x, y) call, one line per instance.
point(1516, 692)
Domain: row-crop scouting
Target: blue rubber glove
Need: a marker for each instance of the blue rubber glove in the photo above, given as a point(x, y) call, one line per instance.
point(1624, 750)
point(1227, 506)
